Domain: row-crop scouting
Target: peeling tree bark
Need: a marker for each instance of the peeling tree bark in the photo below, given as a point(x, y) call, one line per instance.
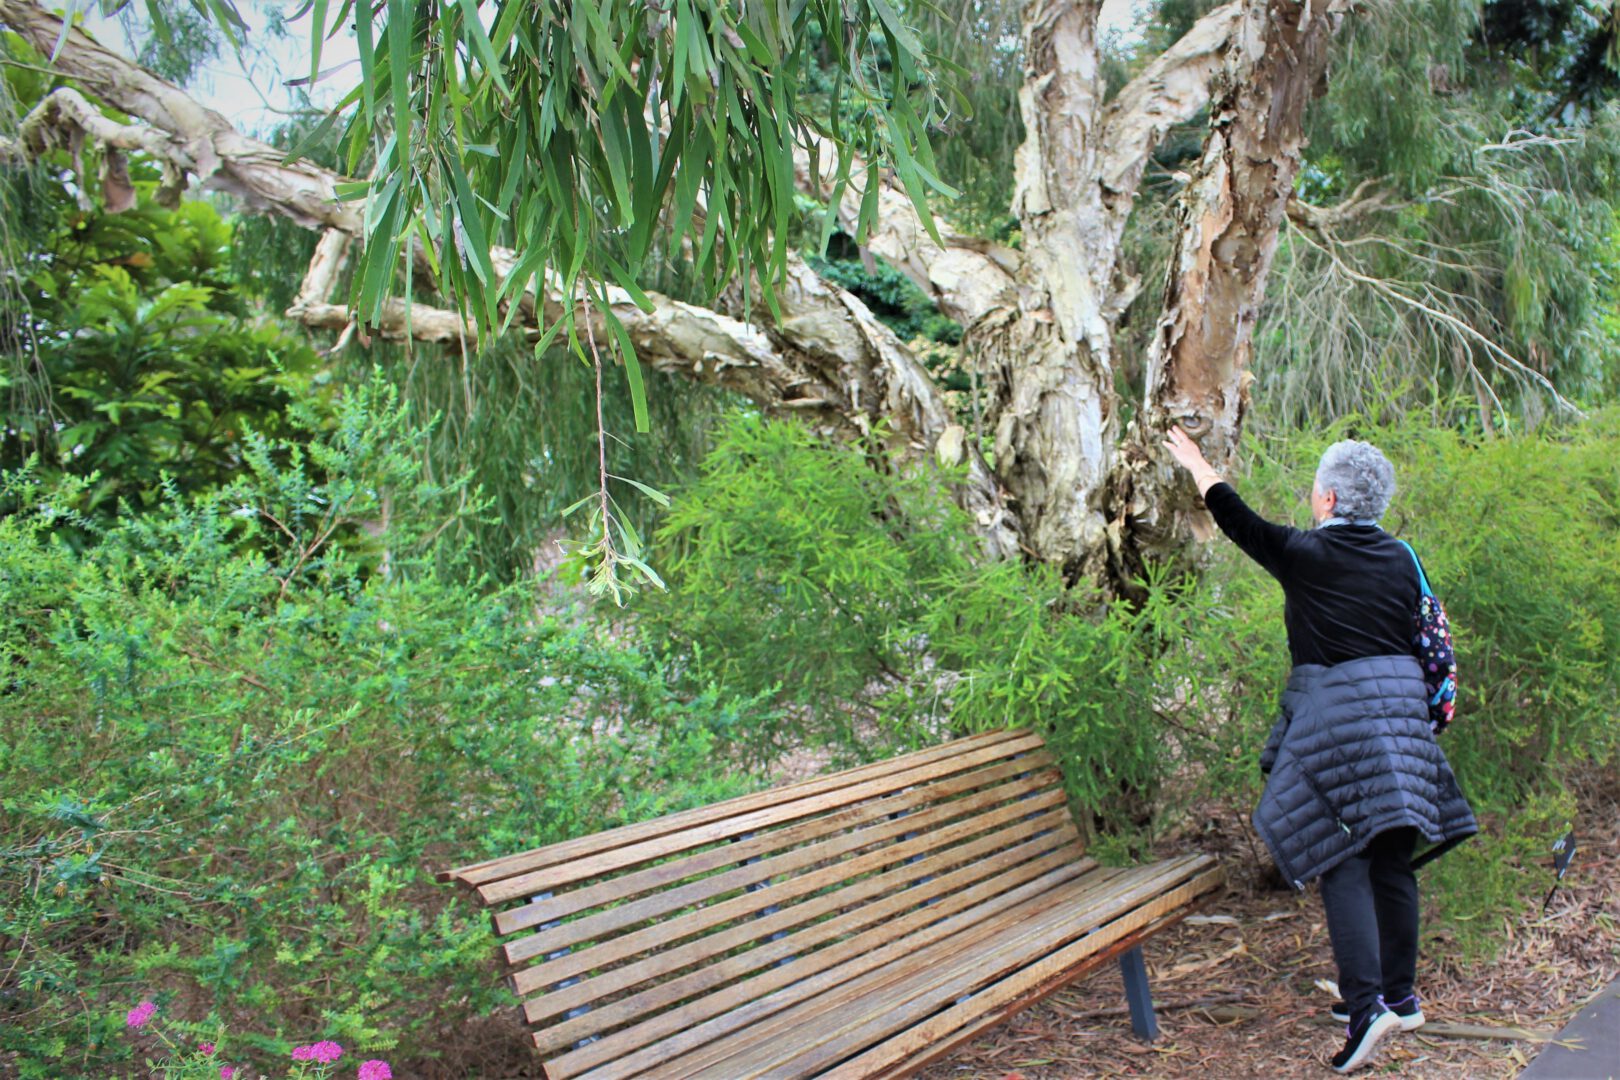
point(1230, 218)
point(1069, 486)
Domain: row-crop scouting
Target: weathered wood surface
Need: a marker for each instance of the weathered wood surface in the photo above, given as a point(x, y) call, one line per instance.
point(850, 925)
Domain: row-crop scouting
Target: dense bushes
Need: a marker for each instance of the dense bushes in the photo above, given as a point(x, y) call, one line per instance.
point(855, 594)
point(235, 733)
point(857, 597)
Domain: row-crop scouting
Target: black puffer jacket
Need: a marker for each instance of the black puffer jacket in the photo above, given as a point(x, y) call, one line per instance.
point(1350, 757)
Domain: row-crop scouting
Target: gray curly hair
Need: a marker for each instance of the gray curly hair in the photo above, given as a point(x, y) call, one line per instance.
point(1360, 476)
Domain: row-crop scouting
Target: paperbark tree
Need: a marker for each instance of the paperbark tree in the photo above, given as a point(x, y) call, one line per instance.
point(1071, 483)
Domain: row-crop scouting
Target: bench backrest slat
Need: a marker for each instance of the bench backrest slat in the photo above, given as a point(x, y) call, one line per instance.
point(669, 873)
point(726, 827)
point(508, 866)
point(824, 849)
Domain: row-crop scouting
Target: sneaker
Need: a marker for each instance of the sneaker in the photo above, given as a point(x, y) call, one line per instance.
point(1359, 1043)
point(1408, 1009)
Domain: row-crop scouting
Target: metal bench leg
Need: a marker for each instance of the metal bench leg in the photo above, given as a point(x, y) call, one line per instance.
point(1137, 995)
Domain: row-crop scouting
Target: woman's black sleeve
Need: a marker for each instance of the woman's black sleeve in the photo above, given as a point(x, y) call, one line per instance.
point(1264, 542)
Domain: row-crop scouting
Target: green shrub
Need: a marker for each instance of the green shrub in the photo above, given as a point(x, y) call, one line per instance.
point(236, 732)
point(144, 356)
point(801, 571)
point(855, 595)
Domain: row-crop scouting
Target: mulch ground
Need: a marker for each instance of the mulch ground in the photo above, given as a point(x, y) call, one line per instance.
point(1238, 996)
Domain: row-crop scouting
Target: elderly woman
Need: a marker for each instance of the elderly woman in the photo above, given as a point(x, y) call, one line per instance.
point(1355, 777)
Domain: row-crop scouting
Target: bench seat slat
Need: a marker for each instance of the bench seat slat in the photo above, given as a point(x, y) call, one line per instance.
point(669, 873)
point(724, 986)
point(1016, 816)
point(772, 1026)
point(908, 765)
point(681, 1036)
point(923, 985)
point(612, 920)
point(1055, 922)
point(901, 1054)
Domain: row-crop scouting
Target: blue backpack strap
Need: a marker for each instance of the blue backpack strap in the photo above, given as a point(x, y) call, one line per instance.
point(1422, 578)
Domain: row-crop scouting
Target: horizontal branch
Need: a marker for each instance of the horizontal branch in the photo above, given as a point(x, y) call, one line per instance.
point(828, 359)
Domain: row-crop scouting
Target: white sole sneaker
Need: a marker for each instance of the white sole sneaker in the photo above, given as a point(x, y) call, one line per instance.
point(1409, 1022)
point(1381, 1027)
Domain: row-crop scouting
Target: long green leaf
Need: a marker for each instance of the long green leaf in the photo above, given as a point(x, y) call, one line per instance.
point(478, 41)
point(632, 367)
point(317, 38)
point(399, 60)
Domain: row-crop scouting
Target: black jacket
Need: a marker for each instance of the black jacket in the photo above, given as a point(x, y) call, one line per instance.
point(1349, 590)
point(1350, 757)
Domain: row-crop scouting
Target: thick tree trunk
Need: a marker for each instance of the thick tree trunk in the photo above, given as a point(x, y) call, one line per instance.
point(1069, 486)
point(1230, 218)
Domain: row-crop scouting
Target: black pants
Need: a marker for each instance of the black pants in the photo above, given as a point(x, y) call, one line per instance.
point(1372, 917)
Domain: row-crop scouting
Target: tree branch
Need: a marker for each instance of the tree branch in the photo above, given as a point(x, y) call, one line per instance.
point(828, 359)
point(1230, 216)
point(1169, 91)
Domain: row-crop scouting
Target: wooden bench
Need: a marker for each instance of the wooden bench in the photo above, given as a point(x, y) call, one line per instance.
point(859, 924)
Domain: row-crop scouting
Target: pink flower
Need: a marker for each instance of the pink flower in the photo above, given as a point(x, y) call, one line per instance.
point(205, 1049)
point(140, 1014)
point(376, 1070)
point(326, 1052)
point(226, 1072)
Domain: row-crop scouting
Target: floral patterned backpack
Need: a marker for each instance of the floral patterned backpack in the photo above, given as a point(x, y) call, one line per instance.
point(1431, 644)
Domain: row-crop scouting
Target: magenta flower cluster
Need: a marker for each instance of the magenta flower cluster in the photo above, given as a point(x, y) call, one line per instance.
point(326, 1051)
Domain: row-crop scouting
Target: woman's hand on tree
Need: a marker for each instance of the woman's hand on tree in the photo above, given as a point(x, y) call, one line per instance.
point(1184, 450)
point(1191, 458)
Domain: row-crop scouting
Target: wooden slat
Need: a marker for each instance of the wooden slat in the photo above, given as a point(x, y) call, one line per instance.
point(891, 1060)
point(903, 909)
point(538, 858)
point(622, 858)
point(855, 958)
point(600, 925)
point(990, 1005)
point(874, 1016)
point(906, 878)
point(852, 998)
point(657, 937)
point(665, 874)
